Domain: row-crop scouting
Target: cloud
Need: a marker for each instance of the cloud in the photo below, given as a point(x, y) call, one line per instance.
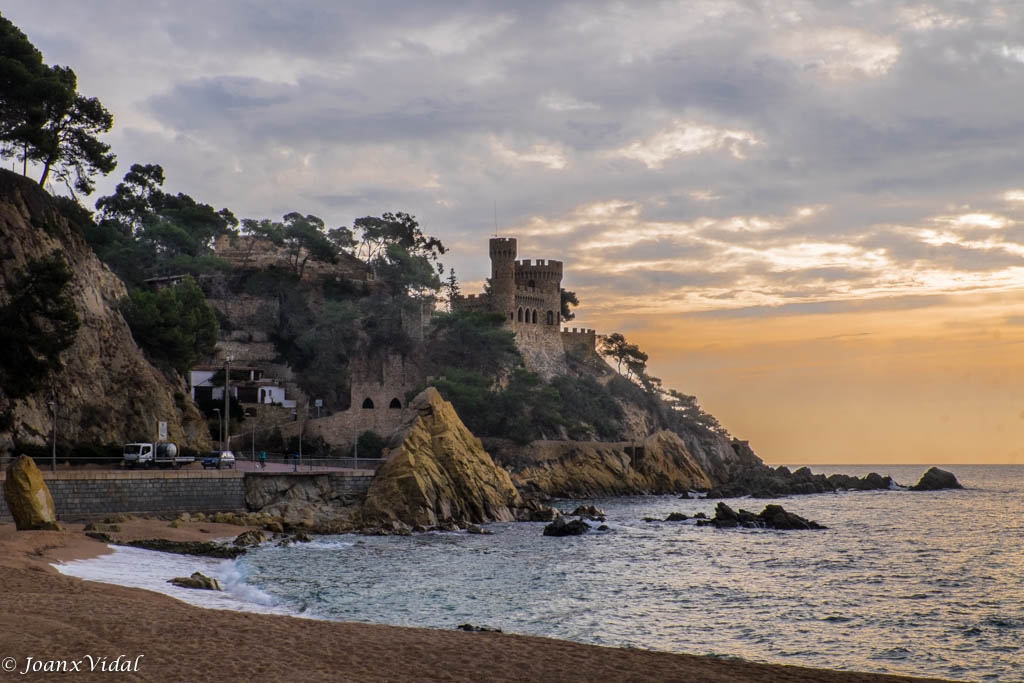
point(685, 138)
point(541, 154)
point(840, 52)
point(562, 102)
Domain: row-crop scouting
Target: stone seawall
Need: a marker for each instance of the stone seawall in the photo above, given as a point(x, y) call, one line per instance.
point(263, 489)
point(94, 495)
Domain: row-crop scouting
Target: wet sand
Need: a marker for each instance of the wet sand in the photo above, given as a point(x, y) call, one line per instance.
point(59, 620)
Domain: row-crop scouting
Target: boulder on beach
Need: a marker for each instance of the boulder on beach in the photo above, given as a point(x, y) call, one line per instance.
point(436, 471)
point(935, 479)
point(28, 497)
point(198, 581)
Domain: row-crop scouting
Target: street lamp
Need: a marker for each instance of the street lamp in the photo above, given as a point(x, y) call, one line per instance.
point(220, 429)
point(53, 456)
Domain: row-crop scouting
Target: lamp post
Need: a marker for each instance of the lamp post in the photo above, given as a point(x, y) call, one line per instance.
point(220, 429)
point(53, 454)
point(227, 403)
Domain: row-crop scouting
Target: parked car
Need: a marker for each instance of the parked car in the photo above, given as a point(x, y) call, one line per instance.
point(219, 459)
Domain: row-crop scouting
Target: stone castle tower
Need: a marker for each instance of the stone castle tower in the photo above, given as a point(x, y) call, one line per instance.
point(529, 295)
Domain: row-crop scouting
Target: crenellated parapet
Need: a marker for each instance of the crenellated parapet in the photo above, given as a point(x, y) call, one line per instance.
point(503, 248)
point(472, 302)
point(581, 339)
point(539, 271)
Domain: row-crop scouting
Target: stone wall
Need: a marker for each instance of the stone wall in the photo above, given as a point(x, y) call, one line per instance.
point(326, 488)
point(91, 495)
point(94, 495)
point(342, 429)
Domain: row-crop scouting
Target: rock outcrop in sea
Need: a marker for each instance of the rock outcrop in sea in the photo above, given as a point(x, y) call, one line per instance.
point(28, 497)
point(772, 517)
point(437, 473)
point(560, 527)
point(935, 479)
point(767, 482)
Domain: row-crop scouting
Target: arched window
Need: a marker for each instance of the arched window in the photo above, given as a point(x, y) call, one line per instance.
point(551, 317)
point(395, 404)
point(534, 317)
point(368, 403)
point(520, 315)
point(531, 284)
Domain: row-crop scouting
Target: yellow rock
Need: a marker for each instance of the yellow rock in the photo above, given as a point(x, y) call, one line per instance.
point(662, 463)
point(28, 497)
point(438, 472)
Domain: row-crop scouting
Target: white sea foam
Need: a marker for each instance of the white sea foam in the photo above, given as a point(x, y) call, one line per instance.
point(150, 569)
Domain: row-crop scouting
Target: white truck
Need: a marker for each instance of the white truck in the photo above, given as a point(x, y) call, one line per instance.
point(161, 453)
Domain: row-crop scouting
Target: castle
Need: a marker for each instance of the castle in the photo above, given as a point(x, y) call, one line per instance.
point(529, 296)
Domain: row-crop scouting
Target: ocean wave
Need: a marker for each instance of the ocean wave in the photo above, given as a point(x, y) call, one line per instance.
point(151, 570)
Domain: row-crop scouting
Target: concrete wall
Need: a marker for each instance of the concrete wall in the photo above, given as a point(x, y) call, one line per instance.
point(94, 495)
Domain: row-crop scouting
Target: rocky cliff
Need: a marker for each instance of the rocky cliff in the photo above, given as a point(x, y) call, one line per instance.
point(437, 472)
point(662, 463)
point(107, 392)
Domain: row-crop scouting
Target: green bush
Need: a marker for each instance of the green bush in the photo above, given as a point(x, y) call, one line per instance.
point(174, 326)
point(370, 444)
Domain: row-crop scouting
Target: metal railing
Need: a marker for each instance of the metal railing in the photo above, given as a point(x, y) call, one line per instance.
point(274, 462)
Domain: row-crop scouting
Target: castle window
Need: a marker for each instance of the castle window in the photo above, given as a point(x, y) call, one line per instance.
point(368, 403)
point(511, 315)
point(395, 404)
point(535, 317)
point(531, 284)
point(520, 315)
point(551, 317)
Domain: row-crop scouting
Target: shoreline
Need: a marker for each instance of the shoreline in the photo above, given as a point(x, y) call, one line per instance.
point(55, 618)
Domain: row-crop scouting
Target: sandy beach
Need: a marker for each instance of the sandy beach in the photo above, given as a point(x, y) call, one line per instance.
point(61, 621)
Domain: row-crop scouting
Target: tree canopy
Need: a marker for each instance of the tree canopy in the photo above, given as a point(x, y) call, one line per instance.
point(304, 238)
point(143, 231)
point(568, 299)
point(38, 321)
point(615, 346)
point(400, 254)
point(45, 121)
point(174, 326)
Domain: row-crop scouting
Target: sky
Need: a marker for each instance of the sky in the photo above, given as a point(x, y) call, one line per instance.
point(809, 214)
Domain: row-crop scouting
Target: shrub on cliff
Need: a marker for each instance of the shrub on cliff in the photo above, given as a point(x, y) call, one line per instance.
point(38, 321)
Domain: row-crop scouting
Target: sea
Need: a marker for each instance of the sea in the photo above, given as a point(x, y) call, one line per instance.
point(903, 582)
